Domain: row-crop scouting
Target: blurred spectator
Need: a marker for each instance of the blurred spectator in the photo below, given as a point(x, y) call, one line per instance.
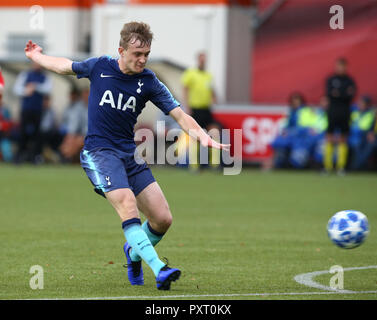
point(283, 142)
point(361, 137)
point(198, 98)
point(49, 138)
point(307, 141)
point(77, 126)
point(370, 146)
point(5, 127)
point(75, 97)
point(340, 89)
point(321, 128)
point(30, 86)
point(53, 133)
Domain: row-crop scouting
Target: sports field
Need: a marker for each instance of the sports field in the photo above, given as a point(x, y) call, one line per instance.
point(234, 237)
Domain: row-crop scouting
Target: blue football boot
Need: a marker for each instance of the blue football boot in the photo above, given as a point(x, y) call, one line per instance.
point(166, 276)
point(134, 268)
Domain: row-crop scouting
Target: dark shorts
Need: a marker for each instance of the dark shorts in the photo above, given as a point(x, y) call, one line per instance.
point(203, 117)
point(110, 169)
point(338, 123)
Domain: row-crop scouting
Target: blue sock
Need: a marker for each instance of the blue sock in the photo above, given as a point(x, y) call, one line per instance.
point(141, 244)
point(154, 237)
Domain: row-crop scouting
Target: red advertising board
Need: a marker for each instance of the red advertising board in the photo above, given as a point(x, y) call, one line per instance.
point(259, 126)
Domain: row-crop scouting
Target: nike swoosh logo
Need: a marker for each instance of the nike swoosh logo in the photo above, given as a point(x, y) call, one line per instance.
point(141, 242)
point(105, 76)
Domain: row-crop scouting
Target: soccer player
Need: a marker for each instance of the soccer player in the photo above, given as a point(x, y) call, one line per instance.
point(340, 89)
point(119, 89)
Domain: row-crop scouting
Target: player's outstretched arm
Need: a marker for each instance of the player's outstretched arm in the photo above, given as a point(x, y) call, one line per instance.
point(192, 128)
point(56, 64)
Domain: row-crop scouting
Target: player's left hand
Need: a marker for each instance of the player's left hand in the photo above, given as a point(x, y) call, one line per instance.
point(31, 49)
point(214, 144)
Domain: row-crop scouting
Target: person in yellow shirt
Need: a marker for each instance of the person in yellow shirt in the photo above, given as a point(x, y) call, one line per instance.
point(198, 98)
point(312, 123)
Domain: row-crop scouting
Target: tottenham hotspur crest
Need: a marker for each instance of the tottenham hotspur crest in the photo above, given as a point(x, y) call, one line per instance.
point(140, 84)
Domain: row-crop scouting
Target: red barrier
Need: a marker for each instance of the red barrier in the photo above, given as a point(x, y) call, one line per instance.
point(259, 126)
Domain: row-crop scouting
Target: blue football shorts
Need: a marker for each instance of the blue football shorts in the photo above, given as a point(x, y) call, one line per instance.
point(110, 169)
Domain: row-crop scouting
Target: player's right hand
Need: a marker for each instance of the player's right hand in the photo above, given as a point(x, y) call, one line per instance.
point(31, 49)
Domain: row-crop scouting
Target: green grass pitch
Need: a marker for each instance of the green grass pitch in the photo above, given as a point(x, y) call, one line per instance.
point(234, 237)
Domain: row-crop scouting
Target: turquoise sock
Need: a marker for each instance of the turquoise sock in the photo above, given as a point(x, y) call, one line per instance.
point(141, 245)
point(153, 236)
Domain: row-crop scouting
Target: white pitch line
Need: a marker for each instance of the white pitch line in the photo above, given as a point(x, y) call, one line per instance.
point(304, 278)
point(229, 295)
point(307, 279)
point(216, 295)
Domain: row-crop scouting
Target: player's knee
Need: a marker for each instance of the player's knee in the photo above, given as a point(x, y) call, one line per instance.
point(127, 200)
point(166, 219)
point(162, 224)
point(124, 203)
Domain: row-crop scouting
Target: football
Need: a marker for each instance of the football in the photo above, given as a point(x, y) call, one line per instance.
point(348, 229)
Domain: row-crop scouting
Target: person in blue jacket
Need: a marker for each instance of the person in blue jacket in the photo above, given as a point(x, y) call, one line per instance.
point(361, 132)
point(283, 142)
point(311, 126)
point(31, 86)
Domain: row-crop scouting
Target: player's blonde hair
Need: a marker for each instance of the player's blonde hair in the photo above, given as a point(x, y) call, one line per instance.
point(133, 31)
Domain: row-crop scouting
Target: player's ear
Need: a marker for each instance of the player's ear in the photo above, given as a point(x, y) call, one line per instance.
point(121, 51)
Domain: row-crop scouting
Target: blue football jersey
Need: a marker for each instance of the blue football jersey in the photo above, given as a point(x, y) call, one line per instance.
point(116, 100)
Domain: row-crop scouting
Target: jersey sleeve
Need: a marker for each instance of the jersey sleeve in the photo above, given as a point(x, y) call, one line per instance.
point(162, 97)
point(84, 68)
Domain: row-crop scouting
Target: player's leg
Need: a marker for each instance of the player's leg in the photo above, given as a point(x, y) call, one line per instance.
point(151, 201)
point(107, 173)
point(124, 203)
